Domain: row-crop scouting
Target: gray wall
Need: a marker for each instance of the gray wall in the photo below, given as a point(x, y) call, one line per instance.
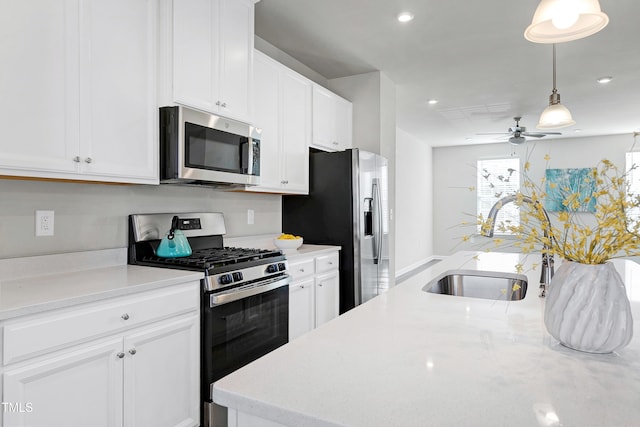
point(94, 216)
point(454, 172)
point(374, 129)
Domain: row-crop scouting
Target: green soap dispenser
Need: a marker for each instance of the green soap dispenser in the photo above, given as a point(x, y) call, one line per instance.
point(175, 244)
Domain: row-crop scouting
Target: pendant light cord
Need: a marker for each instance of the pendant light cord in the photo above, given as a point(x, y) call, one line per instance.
point(554, 68)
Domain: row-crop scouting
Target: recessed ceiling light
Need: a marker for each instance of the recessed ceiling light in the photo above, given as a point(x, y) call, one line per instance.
point(432, 101)
point(468, 138)
point(577, 130)
point(604, 79)
point(405, 17)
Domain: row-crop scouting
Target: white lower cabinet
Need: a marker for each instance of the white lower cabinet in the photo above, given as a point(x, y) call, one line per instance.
point(79, 388)
point(144, 372)
point(301, 308)
point(314, 291)
point(327, 297)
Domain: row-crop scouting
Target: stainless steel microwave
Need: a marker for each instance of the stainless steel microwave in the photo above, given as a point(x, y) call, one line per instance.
point(201, 148)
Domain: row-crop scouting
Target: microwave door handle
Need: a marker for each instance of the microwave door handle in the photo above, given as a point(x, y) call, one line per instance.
point(250, 156)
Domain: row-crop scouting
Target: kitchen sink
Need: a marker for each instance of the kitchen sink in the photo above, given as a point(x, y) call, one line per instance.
point(479, 284)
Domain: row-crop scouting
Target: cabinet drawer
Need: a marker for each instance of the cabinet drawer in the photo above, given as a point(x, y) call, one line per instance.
point(327, 263)
point(37, 334)
point(301, 269)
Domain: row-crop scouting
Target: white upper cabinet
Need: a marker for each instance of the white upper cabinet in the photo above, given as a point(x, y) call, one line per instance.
point(39, 109)
point(212, 46)
point(118, 114)
point(282, 109)
point(79, 97)
point(332, 120)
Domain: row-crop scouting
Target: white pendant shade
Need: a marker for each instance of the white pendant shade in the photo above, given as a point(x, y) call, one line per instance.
point(555, 116)
point(557, 21)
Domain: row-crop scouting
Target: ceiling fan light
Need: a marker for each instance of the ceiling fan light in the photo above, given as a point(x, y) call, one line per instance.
point(555, 116)
point(557, 21)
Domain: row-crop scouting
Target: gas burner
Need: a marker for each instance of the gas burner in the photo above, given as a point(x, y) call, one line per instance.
point(210, 259)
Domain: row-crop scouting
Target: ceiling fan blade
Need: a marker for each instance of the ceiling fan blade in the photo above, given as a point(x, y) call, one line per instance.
point(533, 135)
point(551, 133)
point(494, 133)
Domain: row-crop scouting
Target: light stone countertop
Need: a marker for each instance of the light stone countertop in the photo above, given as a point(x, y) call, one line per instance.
point(411, 358)
point(30, 285)
point(34, 284)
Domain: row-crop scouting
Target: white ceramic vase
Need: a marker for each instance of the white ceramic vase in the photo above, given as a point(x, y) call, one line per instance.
point(587, 308)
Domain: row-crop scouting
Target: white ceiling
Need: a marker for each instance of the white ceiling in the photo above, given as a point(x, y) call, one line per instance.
point(470, 55)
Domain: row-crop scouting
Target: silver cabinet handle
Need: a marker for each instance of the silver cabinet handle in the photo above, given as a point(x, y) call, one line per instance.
point(76, 159)
point(120, 355)
point(330, 263)
point(335, 142)
point(301, 270)
point(224, 105)
point(88, 160)
point(283, 182)
point(132, 351)
point(320, 284)
point(125, 316)
point(218, 103)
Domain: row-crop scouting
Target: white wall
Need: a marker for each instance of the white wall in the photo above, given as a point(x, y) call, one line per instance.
point(454, 172)
point(414, 219)
point(94, 216)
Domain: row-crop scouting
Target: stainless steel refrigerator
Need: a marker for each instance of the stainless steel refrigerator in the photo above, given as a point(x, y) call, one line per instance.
point(347, 206)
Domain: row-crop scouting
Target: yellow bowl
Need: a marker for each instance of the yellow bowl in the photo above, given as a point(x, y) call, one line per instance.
point(288, 244)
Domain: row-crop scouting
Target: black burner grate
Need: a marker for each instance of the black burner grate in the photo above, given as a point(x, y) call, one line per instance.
point(207, 259)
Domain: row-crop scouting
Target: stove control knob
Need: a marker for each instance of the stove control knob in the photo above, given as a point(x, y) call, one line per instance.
point(282, 266)
point(273, 268)
point(237, 276)
point(225, 279)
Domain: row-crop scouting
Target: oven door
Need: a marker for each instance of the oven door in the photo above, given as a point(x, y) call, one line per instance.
point(237, 329)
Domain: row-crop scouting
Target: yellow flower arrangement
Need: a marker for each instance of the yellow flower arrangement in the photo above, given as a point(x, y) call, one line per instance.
point(610, 233)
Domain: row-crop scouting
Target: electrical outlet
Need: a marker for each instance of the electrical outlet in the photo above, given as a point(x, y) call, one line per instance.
point(44, 223)
point(250, 216)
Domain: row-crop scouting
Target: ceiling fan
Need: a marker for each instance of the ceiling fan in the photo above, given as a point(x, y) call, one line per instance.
point(518, 133)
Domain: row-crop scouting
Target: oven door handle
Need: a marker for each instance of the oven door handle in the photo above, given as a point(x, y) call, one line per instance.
point(235, 295)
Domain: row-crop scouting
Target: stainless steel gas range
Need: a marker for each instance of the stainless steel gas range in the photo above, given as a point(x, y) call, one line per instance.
point(244, 294)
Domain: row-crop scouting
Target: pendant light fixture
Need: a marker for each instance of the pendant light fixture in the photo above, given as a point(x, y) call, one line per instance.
point(556, 115)
point(557, 21)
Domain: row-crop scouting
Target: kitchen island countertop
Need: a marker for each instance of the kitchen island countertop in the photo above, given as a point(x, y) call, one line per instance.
point(412, 358)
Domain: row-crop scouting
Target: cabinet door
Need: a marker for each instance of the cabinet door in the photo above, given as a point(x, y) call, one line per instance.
point(39, 87)
point(344, 120)
point(324, 118)
point(80, 388)
point(265, 116)
point(162, 371)
point(301, 308)
point(236, 58)
point(327, 297)
point(118, 114)
point(196, 53)
point(296, 130)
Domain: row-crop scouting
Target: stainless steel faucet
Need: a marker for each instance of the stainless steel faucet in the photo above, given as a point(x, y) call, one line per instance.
point(547, 256)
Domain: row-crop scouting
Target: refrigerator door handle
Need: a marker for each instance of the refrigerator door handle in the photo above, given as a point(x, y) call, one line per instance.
point(377, 236)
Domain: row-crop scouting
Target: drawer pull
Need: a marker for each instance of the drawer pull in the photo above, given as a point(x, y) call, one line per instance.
point(301, 270)
point(125, 316)
point(320, 284)
point(132, 351)
point(120, 355)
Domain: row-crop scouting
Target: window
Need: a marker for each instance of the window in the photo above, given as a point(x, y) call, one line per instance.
point(498, 178)
point(633, 178)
